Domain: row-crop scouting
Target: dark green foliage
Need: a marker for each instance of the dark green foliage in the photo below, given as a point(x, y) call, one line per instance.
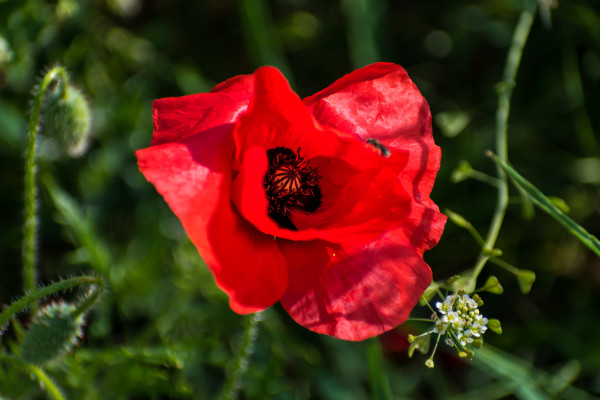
point(163, 329)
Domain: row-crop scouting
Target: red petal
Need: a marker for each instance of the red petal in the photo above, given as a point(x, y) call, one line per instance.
point(277, 117)
point(371, 202)
point(194, 177)
point(380, 101)
point(180, 117)
point(352, 201)
point(353, 293)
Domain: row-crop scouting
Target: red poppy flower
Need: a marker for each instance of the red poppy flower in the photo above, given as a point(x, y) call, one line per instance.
point(322, 203)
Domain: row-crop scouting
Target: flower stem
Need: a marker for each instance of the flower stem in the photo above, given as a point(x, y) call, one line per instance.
point(240, 363)
point(46, 383)
point(505, 89)
point(89, 300)
point(33, 297)
point(419, 320)
point(30, 220)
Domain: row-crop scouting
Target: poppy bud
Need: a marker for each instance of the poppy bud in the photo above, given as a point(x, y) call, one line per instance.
point(53, 332)
point(68, 118)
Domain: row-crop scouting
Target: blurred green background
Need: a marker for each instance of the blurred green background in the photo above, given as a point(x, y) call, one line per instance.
point(164, 330)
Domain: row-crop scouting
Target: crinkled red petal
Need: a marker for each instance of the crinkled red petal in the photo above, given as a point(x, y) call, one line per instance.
point(381, 102)
point(181, 117)
point(194, 177)
point(357, 184)
point(353, 292)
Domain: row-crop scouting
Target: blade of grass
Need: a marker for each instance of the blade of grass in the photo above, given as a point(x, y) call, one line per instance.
point(262, 36)
point(363, 18)
point(380, 384)
point(540, 200)
point(530, 383)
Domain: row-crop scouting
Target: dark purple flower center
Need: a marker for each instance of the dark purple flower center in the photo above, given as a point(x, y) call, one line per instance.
point(290, 184)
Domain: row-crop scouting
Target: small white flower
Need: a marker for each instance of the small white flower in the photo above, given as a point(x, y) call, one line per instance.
point(472, 304)
point(460, 317)
point(440, 327)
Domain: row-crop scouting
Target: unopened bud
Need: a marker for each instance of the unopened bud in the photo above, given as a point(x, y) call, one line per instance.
point(53, 332)
point(67, 118)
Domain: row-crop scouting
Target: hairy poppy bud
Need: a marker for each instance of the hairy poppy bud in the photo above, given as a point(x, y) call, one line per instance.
point(68, 118)
point(53, 332)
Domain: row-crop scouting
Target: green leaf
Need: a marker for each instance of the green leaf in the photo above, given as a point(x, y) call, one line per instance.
point(548, 206)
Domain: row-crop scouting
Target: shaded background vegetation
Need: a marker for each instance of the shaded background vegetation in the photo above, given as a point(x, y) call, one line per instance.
point(164, 330)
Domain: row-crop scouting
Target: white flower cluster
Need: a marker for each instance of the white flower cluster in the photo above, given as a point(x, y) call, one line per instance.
point(461, 317)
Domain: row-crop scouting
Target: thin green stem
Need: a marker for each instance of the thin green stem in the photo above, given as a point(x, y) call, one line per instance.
point(419, 320)
point(437, 342)
point(89, 300)
point(485, 178)
point(506, 87)
point(501, 263)
point(46, 383)
point(30, 219)
point(240, 363)
point(33, 297)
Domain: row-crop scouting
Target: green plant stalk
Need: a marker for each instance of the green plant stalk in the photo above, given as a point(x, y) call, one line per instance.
point(33, 297)
point(30, 220)
point(46, 383)
point(546, 205)
point(485, 178)
point(513, 60)
point(240, 363)
point(501, 263)
point(89, 300)
point(380, 383)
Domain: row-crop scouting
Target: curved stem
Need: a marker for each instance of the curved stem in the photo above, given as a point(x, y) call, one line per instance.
point(240, 363)
point(506, 87)
point(30, 220)
point(46, 383)
point(89, 300)
point(33, 297)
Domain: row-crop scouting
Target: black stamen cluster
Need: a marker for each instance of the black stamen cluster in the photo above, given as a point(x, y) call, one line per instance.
point(291, 184)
